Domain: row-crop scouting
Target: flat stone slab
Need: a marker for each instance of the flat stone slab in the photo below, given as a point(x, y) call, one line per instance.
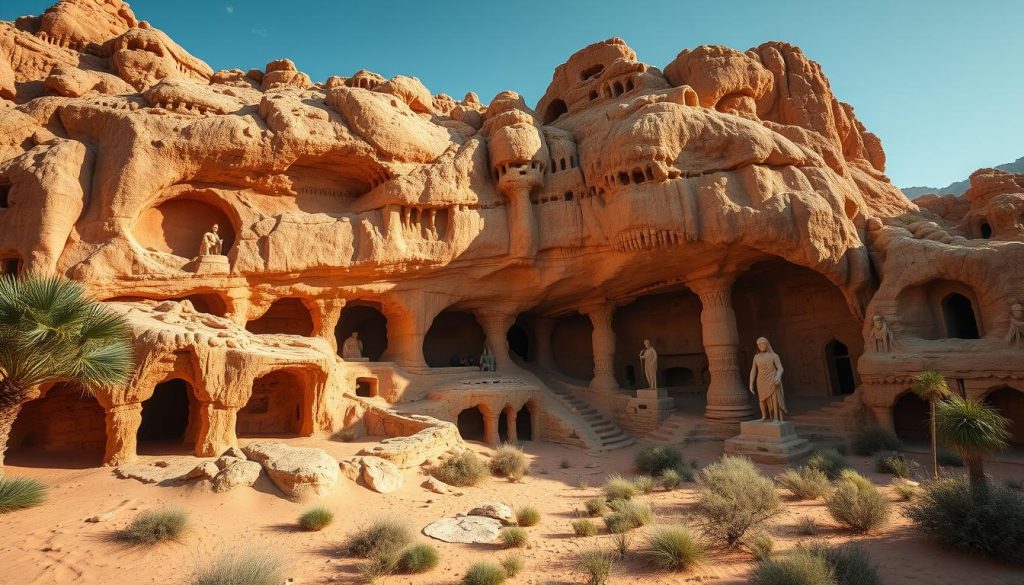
point(464, 529)
point(164, 471)
point(501, 512)
point(768, 442)
point(296, 471)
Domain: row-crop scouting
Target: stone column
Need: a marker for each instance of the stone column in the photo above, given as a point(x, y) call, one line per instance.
point(496, 325)
point(603, 341)
point(123, 422)
point(325, 314)
point(728, 398)
point(543, 327)
point(217, 430)
point(510, 421)
point(491, 428)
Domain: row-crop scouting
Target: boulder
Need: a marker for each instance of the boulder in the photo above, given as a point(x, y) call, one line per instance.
point(438, 487)
point(207, 470)
point(496, 510)
point(233, 452)
point(239, 473)
point(464, 529)
point(225, 461)
point(296, 471)
point(380, 475)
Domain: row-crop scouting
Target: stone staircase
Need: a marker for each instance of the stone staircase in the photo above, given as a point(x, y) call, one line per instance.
point(834, 421)
point(683, 428)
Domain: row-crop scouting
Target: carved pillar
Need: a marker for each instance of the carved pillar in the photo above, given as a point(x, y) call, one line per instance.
point(542, 330)
point(123, 422)
point(883, 416)
point(410, 315)
point(727, 398)
point(603, 341)
point(522, 226)
point(217, 430)
point(510, 422)
point(491, 428)
point(496, 325)
point(325, 314)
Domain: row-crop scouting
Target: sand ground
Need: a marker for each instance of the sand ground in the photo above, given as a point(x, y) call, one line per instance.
point(53, 543)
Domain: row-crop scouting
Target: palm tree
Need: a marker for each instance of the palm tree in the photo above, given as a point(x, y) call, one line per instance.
point(51, 331)
point(974, 430)
point(931, 386)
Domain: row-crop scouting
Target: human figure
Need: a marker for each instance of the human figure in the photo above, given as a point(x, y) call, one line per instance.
point(212, 242)
point(880, 334)
point(766, 376)
point(353, 347)
point(649, 361)
point(1015, 336)
point(488, 361)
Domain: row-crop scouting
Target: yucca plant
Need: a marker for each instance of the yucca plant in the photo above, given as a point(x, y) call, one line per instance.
point(973, 430)
point(50, 330)
point(931, 386)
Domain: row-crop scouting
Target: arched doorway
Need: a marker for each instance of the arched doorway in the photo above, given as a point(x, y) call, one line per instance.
point(177, 225)
point(958, 315)
point(519, 342)
point(911, 416)
point(165, 417)
point(471, 424)
point(454, 339)
point(840, 368)
point(278, 406)
point(503, 424)
point(1010, 403)
point(679, 376)
point(65, 421)
point(524, 423)
point(371, 325)
point(286, 316)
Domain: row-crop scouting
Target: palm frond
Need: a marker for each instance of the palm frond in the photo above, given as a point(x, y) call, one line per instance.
point(971, 427)
point(930, 385)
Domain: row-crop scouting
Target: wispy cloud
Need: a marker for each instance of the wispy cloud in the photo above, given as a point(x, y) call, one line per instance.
point(229, 9)
point(260, 32)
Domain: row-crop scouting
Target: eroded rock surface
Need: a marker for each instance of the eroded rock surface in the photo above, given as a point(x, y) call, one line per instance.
point(296, 471)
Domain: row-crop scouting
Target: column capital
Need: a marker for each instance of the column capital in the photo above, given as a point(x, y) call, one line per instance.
point(598, 310)
point(715, 290)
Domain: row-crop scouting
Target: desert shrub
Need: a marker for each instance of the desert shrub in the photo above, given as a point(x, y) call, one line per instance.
point(761, 545)
point(622, 540)
point(418, 558)
point(806, 483)
point(380, 539)
point(584, 527)
point(828, 461)
point(799, 567)
point(735, 498)
point(857, 503)
point(897, 464)
point(905, 490)
point(872, 439)
point(512, 564)
point(992, 526)
point(644, 484)
point(1014, 484)
point(595, 507)
point(949, 459)
point(627, 515)
point(565, 464)
point(509, 462)
point(316, 518)
point(807, 526)
point(247, 569)
point(153, 526)
point(379, 565)
point(597, 565)
point(582, 483)
point(618, 488)
point(464, 469)
point(17, 493)
point(849, 563)
point(654, 460)
point(671, 479)
point(527, 516)
point(673, 549)
point(513, 537)
point(485, 573)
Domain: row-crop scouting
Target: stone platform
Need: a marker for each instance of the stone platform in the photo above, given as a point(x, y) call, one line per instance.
point(768, 442)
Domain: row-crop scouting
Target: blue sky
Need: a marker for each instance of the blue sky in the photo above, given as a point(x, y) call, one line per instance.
point(940, 82)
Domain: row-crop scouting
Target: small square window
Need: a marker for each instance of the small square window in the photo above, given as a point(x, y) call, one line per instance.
point(5, 195)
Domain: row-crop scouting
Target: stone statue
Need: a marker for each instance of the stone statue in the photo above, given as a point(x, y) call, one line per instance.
point(766, 375)
point(880, 334)
point(488, 362)
point(649, 360)
point(1015, 336)
point(353, 347)
point(212, 242)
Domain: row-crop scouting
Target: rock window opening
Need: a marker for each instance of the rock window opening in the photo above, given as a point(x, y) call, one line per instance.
point(471, 424)
point(524, 424)
point(285, 316)
point(568, 195)
point(10, 266)
point(275, 407)
point(840, 366)
point(518, 342)
point(958, 315)
point(911, 418)
point(591, 72)
point(986, 230)
point(5, 195)
point(454, 339)
point(165, 415)
point(1010, 403)
point(366, 387)
point(369, 323)
point(555, 110)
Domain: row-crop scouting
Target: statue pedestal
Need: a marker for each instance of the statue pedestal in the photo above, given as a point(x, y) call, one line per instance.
point(650, 408)
point(211, 264)
point(768, 442)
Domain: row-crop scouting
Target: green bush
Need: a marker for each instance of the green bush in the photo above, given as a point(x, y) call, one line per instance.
point(584, 527)
point(849, 563)
point(806, 483)
point(828, 461)
point(248, 569)
point(418, 558)
point(17, 493)
point(595, 507)
point(857, 503)
point(153, 526)
point(512, 564)
point(463, 470)
point(644, 484)
point(618, 488)
point(807, 526)
point(597, 565)
point(905, 490)
point(655, 460)
point(799, 567)
point(673, 549)
point(509, 462)
point(734, 498)
point(872, 439)
point(513, 537)
point(381, 539)
point(627, 515)
point(527, 516)
point(379, 565)
point(485, 573)
point(316, 518)
point(761, 545)
point(992, 526)
point(671, 479)
point(622, 540)
point(897, 464)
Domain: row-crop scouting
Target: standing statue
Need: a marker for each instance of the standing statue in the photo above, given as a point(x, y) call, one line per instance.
point(649, 360)
point(352, 349)
point(880, 334)
point(488, 361)
point(766, 373)
point(1015, 336)
point(211, 244)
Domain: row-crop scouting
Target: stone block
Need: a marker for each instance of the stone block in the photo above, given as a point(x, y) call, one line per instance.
point(768, 442)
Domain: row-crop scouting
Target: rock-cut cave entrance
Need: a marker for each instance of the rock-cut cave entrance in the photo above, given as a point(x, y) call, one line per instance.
point(165, 418)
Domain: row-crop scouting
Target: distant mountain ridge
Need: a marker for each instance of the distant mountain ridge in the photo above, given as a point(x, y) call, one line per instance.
point(959, 187)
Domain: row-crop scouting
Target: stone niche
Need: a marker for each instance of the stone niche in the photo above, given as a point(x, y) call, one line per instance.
point(64, 420)
point(177, 225)
point(279, 405)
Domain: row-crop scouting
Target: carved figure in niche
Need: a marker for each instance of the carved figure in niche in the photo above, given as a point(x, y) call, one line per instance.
point(353, 347)
point(881, 336)
point(212, 242)
point(649, 361)
point(1015, 336)
point(766, 377)
point(488, 361)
